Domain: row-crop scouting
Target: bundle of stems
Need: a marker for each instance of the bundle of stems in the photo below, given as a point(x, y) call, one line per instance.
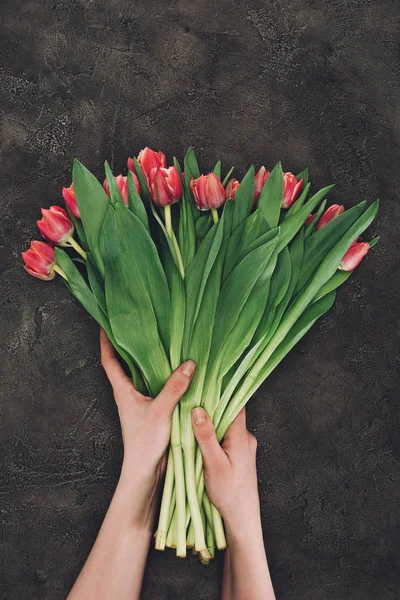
point(178, 266)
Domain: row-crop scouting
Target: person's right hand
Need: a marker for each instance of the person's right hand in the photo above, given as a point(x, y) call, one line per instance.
point(229, 469)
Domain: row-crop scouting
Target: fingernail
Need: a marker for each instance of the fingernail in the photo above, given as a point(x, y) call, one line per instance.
point(199, 416)
point(188, 368)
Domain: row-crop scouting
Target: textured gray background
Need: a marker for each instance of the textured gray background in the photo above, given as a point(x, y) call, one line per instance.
point(311, 82)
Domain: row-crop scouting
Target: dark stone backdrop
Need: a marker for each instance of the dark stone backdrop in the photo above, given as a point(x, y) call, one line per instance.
point(313, 83)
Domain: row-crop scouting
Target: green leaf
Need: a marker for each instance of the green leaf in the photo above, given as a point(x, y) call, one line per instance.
point(135, 202)
point(115, 195)
point(203, 282)
point(312, 226)
point(197, 276)
point(93, 204)
point(333, 283)
point(324, 272)
point(241, 302)
point(296, 253)
point(217, 169)
point(79, 230)
point(242, 240)
point(96, 282)
point(291, 226)
point(228, 176)
point(166, 236)
point(203, 225)
point(137, 294)
point(271, 196)
point(77, 284)
point(304, 175)
point(374, 241)
point(144, 188)
point(298, 203)
point(190, 165)
point(323, 240)
point(250, 385)
point(187, 227)
point(244, 198)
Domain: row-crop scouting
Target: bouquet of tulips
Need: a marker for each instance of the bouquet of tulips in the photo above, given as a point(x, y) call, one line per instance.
point(176, 265)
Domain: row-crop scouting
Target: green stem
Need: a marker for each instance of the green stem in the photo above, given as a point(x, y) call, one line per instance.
point(163, 522)
point(218, 528)
point(170, 231)
point(171, 537)
point(180, 511)
point(195, 513)
point(168, 220)
point(60, 271)
point(77, 247)
point(215, 216)
point(210, 540)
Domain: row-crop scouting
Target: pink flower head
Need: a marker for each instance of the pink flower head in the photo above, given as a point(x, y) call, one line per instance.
point(40, 260)
point(56, 225)
point(330, 213)
point(260, 179)
point(291, 189)
point(165, 186)
point(208, 192)
point(231, 187)
point(354, 255)
point(148, 160)
point(70, 200)
point(122, 185)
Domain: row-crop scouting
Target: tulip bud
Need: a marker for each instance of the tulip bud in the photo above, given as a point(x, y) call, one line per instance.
point(330, 213)
point(70, 200)
point(165, 186)
point(55, 226)
point(291, 189)
point(122, 185)
point(354, 255)
point(40, 260)
point(231, 187)
point(208, 192)
point(310, 219)
point(148, 159)
point(260, 179)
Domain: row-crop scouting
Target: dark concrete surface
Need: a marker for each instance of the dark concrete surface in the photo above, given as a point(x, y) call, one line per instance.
point(311, 82)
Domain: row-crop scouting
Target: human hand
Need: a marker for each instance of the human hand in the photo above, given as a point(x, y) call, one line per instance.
point(146, 427)
point(230, 474)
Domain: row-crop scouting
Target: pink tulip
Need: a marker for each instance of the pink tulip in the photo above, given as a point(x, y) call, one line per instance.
point(148, 159)
point(330, 213)
point(231, 187)
point(55, 226)
point(354, 256)
point(291, 189)
point(165, 186)
point(122, 185)
point(310, 219)
point(208, 192)
point(260, 179)
point(40, 260)
point(70, 200)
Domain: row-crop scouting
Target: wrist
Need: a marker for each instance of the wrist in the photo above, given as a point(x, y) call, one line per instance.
point(243, 523)
point(137, 495)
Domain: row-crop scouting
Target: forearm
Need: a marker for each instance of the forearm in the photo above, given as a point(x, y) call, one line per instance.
point(246, 573)
point(115, 566)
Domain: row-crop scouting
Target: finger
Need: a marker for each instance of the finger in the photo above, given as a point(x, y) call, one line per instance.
point(237, 429)
point(213, 455)
point(109, 361)
point(174, 389)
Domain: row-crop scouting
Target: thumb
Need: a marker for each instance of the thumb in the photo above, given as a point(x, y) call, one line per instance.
point(213, 455)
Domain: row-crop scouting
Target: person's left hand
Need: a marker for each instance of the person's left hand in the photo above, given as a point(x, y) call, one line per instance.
point(145, 424)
